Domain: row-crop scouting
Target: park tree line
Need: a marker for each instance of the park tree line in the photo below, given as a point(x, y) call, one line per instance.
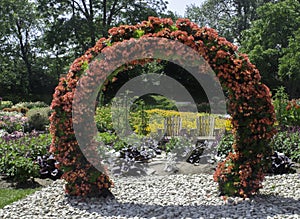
point(40, 38)
point(267, 30)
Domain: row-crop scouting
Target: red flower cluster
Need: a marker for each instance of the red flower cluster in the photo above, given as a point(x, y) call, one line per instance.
point(293, 104)
point(250, 106)
point(237, 177)
point(124, 32)
point(160, 22)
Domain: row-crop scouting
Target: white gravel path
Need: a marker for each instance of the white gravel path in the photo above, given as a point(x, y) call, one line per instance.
point(173, 196)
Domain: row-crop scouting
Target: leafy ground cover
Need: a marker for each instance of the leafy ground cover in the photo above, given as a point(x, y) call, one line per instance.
point(24, 144)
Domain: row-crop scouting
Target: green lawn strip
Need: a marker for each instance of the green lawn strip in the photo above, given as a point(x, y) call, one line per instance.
point(8, 196)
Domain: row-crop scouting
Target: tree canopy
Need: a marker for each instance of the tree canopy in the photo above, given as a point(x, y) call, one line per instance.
point(39, 39)
point(228, 17)
point(271, 44)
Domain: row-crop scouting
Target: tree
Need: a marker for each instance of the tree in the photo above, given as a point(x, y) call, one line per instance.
point(289, 66)
point(228, 17)
point(161, 68)
point(18, 35)
point(25, 64)
point(40, 38)
point(268, 37)
point(73, 26)
point(82, 22)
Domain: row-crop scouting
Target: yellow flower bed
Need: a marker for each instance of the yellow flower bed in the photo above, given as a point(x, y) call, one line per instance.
point(189, 119)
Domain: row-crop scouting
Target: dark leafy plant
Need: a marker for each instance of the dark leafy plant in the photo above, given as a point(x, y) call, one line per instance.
point(142, 150)
point(196, 154)
point(11, 136)
point(131, 148)
point(48, 167)
point(281, 164)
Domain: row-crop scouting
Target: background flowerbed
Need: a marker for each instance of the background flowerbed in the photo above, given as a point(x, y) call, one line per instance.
point(23, 146)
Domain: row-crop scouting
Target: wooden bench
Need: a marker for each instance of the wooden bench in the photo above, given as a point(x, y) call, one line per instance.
point(205, 130)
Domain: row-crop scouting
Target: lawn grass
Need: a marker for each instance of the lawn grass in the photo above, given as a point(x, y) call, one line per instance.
point(8, 196)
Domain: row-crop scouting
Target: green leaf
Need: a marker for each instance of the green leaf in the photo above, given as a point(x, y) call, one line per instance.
point(138, 33)
point(173, 28)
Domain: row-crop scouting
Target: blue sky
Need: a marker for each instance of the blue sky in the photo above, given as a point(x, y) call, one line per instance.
point(180, 5)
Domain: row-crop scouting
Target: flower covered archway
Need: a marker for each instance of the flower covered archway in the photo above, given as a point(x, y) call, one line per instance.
point(250, 106)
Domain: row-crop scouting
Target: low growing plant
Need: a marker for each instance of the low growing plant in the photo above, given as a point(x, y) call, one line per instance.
point(133, 147)
point(181, 146)
point(48, 167)
point(17, 156)
point(287, 141)
point(107, 138)
point(8, 196)
point(142, 149)
point(5, 104)
point(281, 164)
point(12, 121)
point(30, 105)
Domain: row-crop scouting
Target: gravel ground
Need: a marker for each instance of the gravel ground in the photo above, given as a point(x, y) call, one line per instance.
point(173, 196)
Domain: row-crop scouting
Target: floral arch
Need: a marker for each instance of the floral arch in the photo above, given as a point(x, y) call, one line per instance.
point(250, 106)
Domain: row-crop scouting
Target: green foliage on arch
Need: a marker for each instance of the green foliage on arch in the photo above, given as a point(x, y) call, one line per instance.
point(250, 106)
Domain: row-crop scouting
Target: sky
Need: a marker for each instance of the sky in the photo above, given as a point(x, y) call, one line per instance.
point(180, 5)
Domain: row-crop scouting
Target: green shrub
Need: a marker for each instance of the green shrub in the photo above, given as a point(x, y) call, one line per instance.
point(103, 119)
point(158, 102)
point(178, 145)
point(107, 138)
point(127, 142)
point(224, 146)
point(139, 119)
point(30, 105)
point(38, 118)
point(287, 141)
point(119, 145)
point(17, 156)
point(287, 111)
point(5, 104)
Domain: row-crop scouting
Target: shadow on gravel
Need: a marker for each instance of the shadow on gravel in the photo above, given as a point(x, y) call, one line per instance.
point(260, 206)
